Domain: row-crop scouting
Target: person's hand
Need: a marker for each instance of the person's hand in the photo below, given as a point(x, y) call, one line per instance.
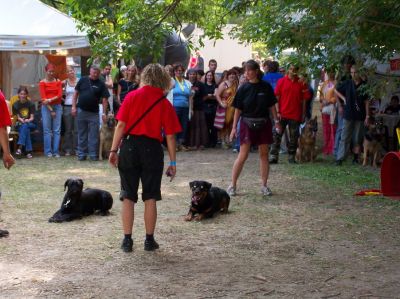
point(278, 128)
point(113, 159)
point(171, 172)
point(366, 121)
point(104, 118)
point(8, 160)
point(278, 116)
point(232, 135)
point(73, 111)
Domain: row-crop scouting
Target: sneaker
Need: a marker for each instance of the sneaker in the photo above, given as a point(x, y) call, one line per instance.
point(235, 151)
point(127, 245)
point(18, 153)
point(292, 161)
point(56, 155)
point(338, 162)
point(266, 191)
point(81, 158)
point(67, 154)
point(150, 245)
point(50, 155)
point(231, 190)
point(29, 156)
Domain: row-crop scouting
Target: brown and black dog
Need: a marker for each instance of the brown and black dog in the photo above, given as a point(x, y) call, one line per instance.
point(206, 201)
point(106, 137)
point(373, 141)
point(306, 150)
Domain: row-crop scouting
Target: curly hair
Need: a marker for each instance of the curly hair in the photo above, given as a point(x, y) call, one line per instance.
point(155, 75)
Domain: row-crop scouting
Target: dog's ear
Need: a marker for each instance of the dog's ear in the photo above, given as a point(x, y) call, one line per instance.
point(208, 185)
point(66, 183)
point(80, 182)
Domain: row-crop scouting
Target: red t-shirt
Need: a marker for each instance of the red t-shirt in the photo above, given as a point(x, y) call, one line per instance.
point(162, 116)
point(5, 119)
point(291, 96)
point(50, 90)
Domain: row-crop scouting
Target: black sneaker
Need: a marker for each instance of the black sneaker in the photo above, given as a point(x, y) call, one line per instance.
point(150, 245)
point(292, 161)
point(3, 233)
point(127, 245)
point(338, 162)
point(81, 158)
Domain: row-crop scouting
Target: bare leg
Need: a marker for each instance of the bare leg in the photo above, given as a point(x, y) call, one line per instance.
point(239, 162)
point(150, 216)
point(127, 214)
point(263, 151)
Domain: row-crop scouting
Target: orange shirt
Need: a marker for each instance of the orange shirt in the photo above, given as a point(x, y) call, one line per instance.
point(50, 90)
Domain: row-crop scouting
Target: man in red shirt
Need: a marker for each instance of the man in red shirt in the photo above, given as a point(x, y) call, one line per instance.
point(291, 107)
point(8, 159)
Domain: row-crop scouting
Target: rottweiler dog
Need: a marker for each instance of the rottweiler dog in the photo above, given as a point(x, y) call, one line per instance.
point(206, 201)
point(78, 202)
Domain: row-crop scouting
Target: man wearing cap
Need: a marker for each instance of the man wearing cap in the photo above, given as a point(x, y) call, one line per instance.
point(90, 91)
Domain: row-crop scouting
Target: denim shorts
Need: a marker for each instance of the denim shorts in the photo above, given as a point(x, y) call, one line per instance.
point(141, 159)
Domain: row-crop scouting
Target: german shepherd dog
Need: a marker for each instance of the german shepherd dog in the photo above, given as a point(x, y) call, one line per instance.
point(206, 201)
point(306, 151)
point(373, 139)
point(106, 137)
point(78, 202)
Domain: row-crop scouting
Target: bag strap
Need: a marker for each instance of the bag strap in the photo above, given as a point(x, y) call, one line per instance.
point(143, 115)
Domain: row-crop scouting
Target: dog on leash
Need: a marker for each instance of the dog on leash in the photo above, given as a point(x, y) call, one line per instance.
point(306, 150)
point(206, 201)
point(106, 137)
point(373, 139)
point(78, 202)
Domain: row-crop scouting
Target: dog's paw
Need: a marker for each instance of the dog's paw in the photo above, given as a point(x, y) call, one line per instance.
point(188, 218)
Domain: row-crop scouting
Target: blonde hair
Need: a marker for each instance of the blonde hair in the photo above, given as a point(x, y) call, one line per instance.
point(155, 75)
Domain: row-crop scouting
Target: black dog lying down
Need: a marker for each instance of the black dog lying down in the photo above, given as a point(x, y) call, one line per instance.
point(78, 203)
point(206, 201)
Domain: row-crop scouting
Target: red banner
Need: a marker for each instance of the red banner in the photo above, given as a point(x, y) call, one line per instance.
point(395, 64)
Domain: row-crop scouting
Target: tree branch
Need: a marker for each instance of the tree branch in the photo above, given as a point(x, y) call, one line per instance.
point(383, 23)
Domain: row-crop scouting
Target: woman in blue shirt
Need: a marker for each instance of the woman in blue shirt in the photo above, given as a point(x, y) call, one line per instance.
point(182, 101)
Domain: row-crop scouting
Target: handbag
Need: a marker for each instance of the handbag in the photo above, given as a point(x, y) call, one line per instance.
point(219, 120)
point(255, 123)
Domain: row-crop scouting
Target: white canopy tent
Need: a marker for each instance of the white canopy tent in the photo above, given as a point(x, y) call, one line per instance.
point(29, 28)
point(29, 25)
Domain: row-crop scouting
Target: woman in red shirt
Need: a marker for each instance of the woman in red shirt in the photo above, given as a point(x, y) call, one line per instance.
point(141, 156)
point(50, 92)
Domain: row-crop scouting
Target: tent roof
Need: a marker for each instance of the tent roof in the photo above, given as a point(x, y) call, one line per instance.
point(32, 25)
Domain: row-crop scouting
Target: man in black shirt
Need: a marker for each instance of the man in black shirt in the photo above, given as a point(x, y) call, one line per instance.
point(90, 91)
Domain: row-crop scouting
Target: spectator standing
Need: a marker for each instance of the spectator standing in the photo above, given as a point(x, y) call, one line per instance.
point(90, 91)
point(272, 74)
point(355, 115)
point(393, 107)
point(51, 91)
point(8, 160)
point(254, 101)
point(170, 95)
point(127, 84)
point(212, 66)
point(182, 95)
point(106, 77)
point(198, 136)
point(141, 156)
point(224, 117)
point(70, 122)
point(199, 63)
point(292, 95)
point(24, 109)
point(210, 107)
point(328, 111)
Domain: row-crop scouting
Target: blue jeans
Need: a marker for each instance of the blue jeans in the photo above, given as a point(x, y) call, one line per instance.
point(183, 116)
point(338, 135)
point(88, 133)
point(51, 129)
point(24, 139)
point(352, 129)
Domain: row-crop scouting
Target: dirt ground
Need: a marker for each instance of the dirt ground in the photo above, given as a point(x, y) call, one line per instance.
point(306, 241)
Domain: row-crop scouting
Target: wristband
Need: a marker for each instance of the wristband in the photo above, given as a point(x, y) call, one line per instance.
point(172, 163)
